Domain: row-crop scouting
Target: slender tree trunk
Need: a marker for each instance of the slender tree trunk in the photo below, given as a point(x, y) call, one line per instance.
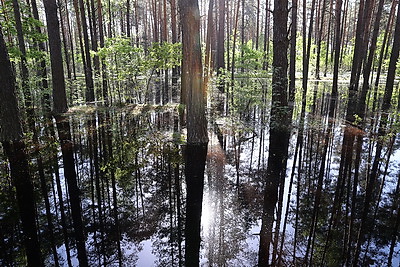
point(65, 46)
point(220, 64)
point(328, 37)
point(234, 45)
point(266, 35)
point(128, 19)
point(257, 24)
point(11, 138)
point(208, 62)
point(101, 43)
point(307, 49)
point(382, 51)
point(381, 132)
point(95, 37)
point(42, 71)
point(334, 94)
point(88, 67)
point(292, 64)
point(368, 65)
point(319, 40)
point(24, 67)
point(174, 39)
point(364, 16)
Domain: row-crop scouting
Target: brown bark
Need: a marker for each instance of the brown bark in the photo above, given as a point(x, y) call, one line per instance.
point(192, 73)
point(88, 66)
point(197, 139)
point(334, 94)
point(368, 65)
point(279, 132)
point(221, 36)
point(57, 70)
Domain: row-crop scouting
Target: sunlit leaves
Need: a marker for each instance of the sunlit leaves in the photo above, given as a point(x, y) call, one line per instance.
point(30, 28)
point(128, 60)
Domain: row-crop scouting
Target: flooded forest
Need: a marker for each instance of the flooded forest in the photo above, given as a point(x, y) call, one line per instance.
point(199, 133)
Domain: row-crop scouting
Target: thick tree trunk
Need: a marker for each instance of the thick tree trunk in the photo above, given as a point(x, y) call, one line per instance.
point(194, 173)
point(279, 131)
point(60, 106)
point(57, 70)
point(197, 139)
point(192, 74)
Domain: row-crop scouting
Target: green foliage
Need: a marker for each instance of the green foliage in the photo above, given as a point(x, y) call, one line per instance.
point(122, 59)
point(164, 55)
point(128, 60)
point(30, 28)
point(249, 58)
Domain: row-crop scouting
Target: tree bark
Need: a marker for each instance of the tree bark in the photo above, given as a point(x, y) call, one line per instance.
point(57, 69)
point(197, 139)
point(220, 64)
point(63, 127)
point(88, 61)
point(279, 131)
point(192, 73)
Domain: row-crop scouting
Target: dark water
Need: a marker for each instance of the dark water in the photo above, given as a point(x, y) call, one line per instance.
point(130, 168)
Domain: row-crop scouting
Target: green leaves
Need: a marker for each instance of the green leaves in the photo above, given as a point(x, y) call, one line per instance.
point(30, 30)
point(164, 55)
point(119, 53)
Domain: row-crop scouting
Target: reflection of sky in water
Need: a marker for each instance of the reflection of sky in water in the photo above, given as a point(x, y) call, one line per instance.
point(207, 215)
point(146, 257)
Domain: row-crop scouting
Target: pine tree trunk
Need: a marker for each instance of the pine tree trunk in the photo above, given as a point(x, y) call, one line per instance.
point(197, 139)
point(88, 61)
point(279, 131)
point(57, 70)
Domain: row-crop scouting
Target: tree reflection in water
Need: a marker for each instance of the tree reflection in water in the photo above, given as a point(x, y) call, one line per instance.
point(130, 172)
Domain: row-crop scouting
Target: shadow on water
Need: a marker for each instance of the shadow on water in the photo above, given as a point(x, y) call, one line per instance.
point(130, 188)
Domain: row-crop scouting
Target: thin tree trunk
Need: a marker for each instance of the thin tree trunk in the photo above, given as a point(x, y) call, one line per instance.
point(334, 94)
point(382, 51)
point(11, 138)
point(42, 71)
point(368, 65)
point(24, 66)
point(319, 40)
point(381, 132)
point(88, 67)
point(220, 64)
point(292, 64)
